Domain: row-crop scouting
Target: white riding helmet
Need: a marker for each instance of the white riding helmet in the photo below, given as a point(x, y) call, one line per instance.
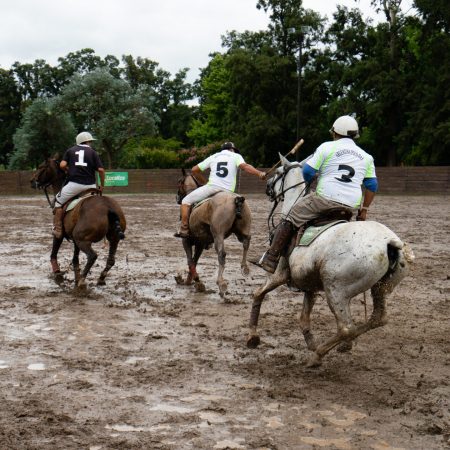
point(346, 126)
point(84, 137)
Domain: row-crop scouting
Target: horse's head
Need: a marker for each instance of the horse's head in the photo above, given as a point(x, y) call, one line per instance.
point(186, 184)
point(47, 174)
point(288, 179)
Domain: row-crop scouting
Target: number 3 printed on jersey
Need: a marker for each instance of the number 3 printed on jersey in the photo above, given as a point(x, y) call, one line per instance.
point(222, 170)
point(80, 161)
point(346, 177)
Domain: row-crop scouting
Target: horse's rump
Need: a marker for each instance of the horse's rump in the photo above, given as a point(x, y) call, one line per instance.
point(94, 218)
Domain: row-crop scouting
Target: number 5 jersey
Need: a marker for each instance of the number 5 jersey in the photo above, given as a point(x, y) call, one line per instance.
point(224, 166)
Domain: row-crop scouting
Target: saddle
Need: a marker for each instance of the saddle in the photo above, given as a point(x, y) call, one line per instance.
point(314, 228)
point(74, 201)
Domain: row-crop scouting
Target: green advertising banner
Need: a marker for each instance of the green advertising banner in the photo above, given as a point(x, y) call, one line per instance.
point(116, 179)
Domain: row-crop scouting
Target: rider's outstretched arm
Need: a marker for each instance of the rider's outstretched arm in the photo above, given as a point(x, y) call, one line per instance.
point(252, 170)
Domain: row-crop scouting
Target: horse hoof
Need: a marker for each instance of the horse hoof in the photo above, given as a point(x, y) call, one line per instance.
point(344, 347)
point(253, 341)
point(199, 286)
point(101, 282)
point(58, 277)
point(245, 271)
point(314, 361)
point(179, 279)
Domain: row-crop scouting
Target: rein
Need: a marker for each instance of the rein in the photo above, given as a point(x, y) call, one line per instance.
point(45, 186)
point(277, 198)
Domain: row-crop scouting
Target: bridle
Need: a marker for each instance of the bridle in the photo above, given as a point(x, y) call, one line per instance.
point(277, 198)
point(182, 192)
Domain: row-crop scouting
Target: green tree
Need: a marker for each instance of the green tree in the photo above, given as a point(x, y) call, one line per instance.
point(10, 102)
point(43, 132)
point(110, 108)
point(215, 105)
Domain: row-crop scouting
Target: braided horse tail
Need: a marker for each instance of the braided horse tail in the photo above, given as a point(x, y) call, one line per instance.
point(239, 201)
point(114, 223)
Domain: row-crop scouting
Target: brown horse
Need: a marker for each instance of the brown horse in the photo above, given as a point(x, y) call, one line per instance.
point(211, 223)
point(91, 220)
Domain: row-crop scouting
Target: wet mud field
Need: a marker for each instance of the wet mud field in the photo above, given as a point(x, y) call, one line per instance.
point(143, 363)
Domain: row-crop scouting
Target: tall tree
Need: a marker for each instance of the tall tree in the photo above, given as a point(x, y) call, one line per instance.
point(110, 108)
point(43, 131)
point(10, 103)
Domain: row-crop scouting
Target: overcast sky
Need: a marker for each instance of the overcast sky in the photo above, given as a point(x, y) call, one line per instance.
point(174, 33)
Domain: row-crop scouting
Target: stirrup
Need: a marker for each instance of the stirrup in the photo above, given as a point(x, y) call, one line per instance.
point(182, 233)
point(264, 263)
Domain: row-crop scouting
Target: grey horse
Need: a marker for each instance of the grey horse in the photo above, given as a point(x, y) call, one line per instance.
point(346, 260)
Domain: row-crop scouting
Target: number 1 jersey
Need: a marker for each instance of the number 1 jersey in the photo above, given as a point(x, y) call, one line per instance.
point(83, 161)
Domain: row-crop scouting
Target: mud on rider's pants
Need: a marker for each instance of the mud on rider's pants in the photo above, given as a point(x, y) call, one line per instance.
point(313, 206)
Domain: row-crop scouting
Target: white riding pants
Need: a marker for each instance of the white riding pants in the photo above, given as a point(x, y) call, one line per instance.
point(201, 193)
point(70, 190)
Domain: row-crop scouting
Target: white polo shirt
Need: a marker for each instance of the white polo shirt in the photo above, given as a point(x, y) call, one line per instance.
point(224, 167)
point(342, 167)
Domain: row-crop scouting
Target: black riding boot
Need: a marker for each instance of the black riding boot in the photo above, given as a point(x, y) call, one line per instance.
point(281, 238)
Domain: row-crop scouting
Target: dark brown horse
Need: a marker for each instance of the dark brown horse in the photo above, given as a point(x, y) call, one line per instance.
point(210, 223)
point(91, 220)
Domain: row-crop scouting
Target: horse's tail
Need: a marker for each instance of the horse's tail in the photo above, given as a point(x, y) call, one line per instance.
point(400, 256)
point(238, 202)
point(114, 223)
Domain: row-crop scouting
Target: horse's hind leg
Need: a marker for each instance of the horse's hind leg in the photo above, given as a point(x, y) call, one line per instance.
point(340, 307)
point(245, 245)
point(305, 320)
point(113, 244)
point(86, 247)
point(281, 276)
point(219, 245)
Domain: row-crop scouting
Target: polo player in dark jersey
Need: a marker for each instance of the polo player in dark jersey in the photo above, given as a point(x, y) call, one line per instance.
point(80, 162)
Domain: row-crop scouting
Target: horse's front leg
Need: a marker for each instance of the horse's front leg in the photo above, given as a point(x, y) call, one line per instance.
point(113, 244)
point(76, 263)
point(305, 319)
point(281, 276)
point(54, 260)
point(219, 245)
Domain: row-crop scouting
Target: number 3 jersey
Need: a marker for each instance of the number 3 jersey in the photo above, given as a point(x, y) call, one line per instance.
point(342, 167)
point(82, 161)
point(224, 167)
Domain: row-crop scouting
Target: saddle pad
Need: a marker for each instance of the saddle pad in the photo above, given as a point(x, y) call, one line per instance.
point(311, 233)
point(195, 205)
point(75, 201)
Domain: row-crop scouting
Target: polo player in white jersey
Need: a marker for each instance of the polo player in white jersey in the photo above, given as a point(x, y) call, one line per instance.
point(224, 168)
point(342, 169)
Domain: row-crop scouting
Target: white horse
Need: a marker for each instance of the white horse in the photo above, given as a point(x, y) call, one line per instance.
point(344, 261)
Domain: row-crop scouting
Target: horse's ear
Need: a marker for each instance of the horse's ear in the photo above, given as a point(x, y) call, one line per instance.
point(284, 161)
point(56, 156)
point(183, 172)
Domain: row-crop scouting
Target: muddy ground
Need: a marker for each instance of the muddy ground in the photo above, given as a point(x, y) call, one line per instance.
point(143, 363)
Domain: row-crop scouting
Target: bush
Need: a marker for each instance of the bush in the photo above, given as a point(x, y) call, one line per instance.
point(148, 158)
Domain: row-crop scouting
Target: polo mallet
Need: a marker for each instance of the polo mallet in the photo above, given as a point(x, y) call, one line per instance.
point(294, 150)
